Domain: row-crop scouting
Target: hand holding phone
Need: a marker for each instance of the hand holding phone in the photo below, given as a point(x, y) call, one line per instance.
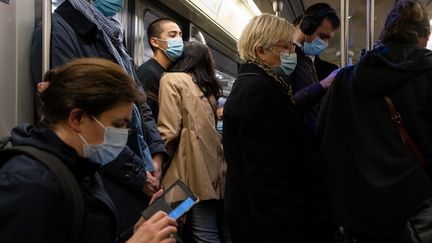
point(175, 201)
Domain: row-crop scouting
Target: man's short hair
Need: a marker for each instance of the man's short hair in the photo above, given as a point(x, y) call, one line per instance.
point(315, 14)
point(155, 29)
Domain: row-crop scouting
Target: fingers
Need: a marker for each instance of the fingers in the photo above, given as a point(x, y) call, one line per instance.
point(139, 223)
point(157, 216)
point(159, 228)
point(153, 181)
point(167, 234)
point(165, 222)
point(157, 195)
point(42, 86)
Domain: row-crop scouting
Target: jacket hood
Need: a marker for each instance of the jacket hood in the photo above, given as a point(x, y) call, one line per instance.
point(386, 68)
point(42, 137)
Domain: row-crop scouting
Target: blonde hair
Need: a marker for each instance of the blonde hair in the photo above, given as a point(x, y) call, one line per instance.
point(264, 30)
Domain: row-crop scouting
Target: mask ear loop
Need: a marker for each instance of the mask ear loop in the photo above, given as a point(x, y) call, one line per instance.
point(100, 123)
point(82, 138)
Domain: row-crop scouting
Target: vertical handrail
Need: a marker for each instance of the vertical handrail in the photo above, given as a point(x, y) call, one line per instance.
point(370, 24)
point(46, 35)
point(344, 34)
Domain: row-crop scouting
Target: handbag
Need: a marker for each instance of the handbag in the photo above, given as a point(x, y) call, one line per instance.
point(419, 227)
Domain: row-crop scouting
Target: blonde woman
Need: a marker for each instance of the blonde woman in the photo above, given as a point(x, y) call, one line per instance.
point(267, 173)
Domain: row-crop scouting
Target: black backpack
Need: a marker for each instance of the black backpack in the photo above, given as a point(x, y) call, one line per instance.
point(73, 201)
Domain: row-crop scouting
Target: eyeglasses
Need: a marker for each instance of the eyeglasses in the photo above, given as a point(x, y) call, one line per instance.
point(285, 48)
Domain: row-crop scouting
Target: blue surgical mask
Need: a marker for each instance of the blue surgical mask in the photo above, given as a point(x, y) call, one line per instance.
point(174, 49)
point(315, 47)
point(288, 63)
point(115, 140)
point(108, 7)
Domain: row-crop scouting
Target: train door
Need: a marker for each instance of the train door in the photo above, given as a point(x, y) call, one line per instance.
point(17, 19)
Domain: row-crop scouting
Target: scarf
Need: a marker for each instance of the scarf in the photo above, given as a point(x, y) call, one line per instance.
point(111, 30)
point(286, 88)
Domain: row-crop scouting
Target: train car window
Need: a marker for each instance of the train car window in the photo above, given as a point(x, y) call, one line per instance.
point(357, 24)
point(226, 81)
point(226, 70)
point(149, 17)
point(196, 34)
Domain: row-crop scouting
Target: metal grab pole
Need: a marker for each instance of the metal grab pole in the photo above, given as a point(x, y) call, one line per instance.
point(46, 35)
point(344, 34)
point(370, 24)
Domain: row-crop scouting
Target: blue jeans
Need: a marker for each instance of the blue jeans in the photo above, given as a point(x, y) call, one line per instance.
point(207, 224)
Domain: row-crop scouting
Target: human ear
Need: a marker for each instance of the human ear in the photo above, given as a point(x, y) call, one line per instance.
point(76, 119)
point(260, 53)
point(154, 42)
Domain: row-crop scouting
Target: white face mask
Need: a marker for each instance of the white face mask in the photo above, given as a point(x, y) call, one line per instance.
point(115, 140)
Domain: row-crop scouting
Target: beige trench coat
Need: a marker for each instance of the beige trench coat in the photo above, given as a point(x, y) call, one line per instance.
point(187, 125)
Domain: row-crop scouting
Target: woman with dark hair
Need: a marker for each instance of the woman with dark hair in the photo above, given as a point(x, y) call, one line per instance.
point(187, 123)
point(86, 105)
point(374, 186)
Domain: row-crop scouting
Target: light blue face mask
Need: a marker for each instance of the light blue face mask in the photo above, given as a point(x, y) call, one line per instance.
point(315, 47)
point(115, 140)
point(288, 63)
point(174, 49)
point(108, 7)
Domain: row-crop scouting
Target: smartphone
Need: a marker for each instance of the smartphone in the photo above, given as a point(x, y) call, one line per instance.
point(183, 207)
point(175, 201)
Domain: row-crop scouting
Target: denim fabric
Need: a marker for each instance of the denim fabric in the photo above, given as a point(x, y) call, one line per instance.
point(207, 224)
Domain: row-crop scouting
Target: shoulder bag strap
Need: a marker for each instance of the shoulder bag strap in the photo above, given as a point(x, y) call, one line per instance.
point(73, 200)
point(403, 132)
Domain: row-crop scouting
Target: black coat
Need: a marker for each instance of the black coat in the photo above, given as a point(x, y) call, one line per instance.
point(268, 168)
point(370, 181)
point(31, 200)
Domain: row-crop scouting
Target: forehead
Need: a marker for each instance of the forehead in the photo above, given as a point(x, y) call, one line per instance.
point(284, 42)
point(169, 26)
point(122, 110)
point(326, 28)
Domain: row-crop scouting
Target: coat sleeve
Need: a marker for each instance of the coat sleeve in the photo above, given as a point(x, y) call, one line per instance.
point(30, 204)
point(309, 96)
point(151, 133)
point(170, 112)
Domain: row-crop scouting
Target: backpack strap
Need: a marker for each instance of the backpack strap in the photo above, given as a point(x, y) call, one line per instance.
point(73, 200)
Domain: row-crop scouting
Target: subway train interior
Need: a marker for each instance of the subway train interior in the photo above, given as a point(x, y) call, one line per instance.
point(218, 23)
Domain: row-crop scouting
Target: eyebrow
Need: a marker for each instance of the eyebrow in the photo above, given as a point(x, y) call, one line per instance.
point(127, 120)
point(174, 32)
point(325, 35)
